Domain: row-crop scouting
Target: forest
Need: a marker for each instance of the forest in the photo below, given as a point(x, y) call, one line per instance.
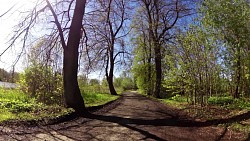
point(191, 55)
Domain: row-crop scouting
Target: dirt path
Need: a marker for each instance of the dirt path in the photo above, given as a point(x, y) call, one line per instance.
point(133, 117)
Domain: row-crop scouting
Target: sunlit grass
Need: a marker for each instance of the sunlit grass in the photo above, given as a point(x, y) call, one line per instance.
point(174, 103)
point(14, 104)
point(6, 115)
point(95, 99)
point(13, 94)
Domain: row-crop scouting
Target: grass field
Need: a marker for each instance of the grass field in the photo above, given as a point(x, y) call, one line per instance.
point(14, 104)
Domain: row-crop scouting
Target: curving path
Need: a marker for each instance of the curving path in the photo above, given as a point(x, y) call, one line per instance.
point(133, 117)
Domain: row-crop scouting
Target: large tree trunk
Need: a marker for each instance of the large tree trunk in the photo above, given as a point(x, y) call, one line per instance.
point(158, 69)
point(111, 86)
point(72, 92)
point(110, 76)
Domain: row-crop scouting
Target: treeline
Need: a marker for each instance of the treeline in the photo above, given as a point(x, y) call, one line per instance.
point(10, 76)
point(209, 58)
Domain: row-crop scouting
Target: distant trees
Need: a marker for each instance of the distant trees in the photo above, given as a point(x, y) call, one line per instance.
point(192, 66)
point(6, 76)
point(125, 82)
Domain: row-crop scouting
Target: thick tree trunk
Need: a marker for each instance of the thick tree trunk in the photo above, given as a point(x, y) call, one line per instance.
point(72, 92)
point(111, 74)
point(158, 69)
point(111, 86)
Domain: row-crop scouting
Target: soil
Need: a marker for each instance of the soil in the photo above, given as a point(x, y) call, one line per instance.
point(131, 117)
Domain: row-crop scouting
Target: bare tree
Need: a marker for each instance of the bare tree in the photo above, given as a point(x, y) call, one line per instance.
point(106, 26)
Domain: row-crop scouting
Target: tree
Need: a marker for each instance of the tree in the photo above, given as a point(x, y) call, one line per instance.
point(194, 70)
point(143, 67)
point(41, 78)
point(65, 27)
point(229, 21)
point(72, 92)
point(161, 17)
point(106, 25)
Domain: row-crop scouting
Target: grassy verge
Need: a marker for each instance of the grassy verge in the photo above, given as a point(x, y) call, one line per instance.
point(217, 108)
point(15, 105)
point(175, 102)
point(95, 99)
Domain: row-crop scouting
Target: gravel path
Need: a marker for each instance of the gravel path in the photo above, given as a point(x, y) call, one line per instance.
point(133, 117)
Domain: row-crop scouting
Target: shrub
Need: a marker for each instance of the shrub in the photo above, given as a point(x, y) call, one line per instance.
point(178, 98)
point(220, 100)
point(42, 83)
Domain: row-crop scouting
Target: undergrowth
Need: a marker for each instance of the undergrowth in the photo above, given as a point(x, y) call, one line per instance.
point(14, 104)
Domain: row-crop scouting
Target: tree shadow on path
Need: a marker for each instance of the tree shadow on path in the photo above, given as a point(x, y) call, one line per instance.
point(135, 123)
point(175, 121)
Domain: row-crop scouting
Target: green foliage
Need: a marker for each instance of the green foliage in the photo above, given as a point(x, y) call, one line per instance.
point(16, 101)
point(95, 99)
point(93, 82)
point(19, 106)
point(6, 115)
point(228, 21)
point(8, 76)
point(14, 104)
point(221, 100)
point(94, 89)
point(42, 83)
point(178, 98)
point(127, 84)
point(242, 103)
point(142, 80)
point(124, 82)
point(117, 82)
point(13, 94)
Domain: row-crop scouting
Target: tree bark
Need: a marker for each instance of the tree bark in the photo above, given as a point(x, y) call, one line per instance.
point(158, 69)
point(72, 92)
point(110, 75)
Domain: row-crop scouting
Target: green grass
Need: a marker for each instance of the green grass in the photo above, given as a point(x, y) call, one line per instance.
point(13, 94)
point(174, 103)
point(95, 99)
point(14, 104)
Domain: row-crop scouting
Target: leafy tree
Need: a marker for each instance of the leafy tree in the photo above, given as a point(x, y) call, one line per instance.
point(229, 21)
point(161, 17)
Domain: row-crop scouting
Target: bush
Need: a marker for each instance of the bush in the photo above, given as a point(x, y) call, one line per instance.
point(178, 98)
point(42, 83)
point(220, 100)
point(16, 106)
